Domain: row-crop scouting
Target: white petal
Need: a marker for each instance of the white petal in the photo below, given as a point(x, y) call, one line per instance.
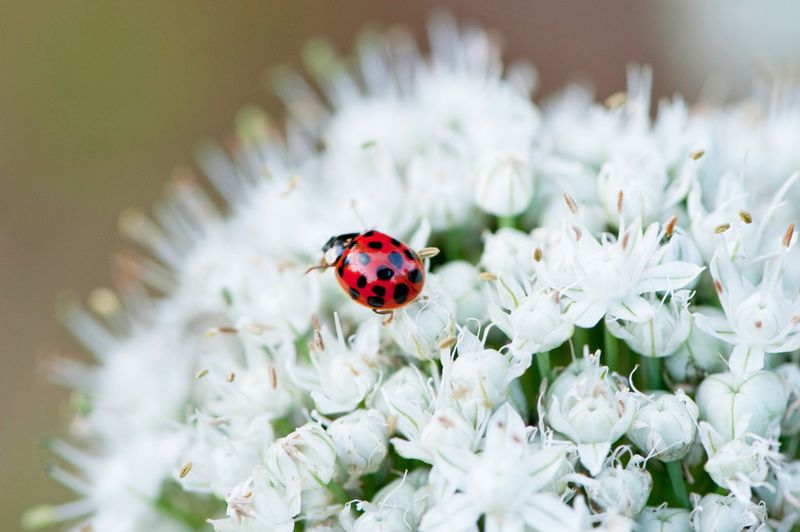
point(592, 455)
point(455, 514)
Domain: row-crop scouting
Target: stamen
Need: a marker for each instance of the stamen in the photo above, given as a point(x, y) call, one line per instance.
point(787, 237)
point(745, 217)
point(616, 100)
point(670, 227)
point(427, 253)
point(447, 343)
point(695, 155)
point(273, 378)
point(721, 228)
point(185, 470)
point(573, 208)
point(578, 232)
point(200, 374)
point(230, 377)
point(223, 329)
point(620, 197)
point(487, 276)
point(537, 254)
point(104, 301)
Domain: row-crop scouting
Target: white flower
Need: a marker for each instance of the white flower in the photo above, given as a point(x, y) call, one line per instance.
point(737, 465)
point(344, 371)
point(420, 327)
point(760, 319)
point(461, 281)
point(303, 459)
point(478, 378)
point(361, 441)
point(504, 483)
point(405, 399)
point(715, 513)
point(508, 250)
point(701, 353)
point(397, 507)
point(608, 277)
point(505, 185)
point(585, 405)
point(619, 489)
point(662, 519)
point(736, 405)
point(261, 502)
point(662, 333)
point(665, 425)
point(533, 317)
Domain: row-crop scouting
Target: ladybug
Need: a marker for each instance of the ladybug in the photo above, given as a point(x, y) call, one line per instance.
point(375, 269)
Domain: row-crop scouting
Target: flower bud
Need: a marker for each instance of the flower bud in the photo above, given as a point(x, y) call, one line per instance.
point(508, 251)
point(661, 334)
point(664, 425)
point(478, 377)
point(404, 399)
point(715, 513)
point(585, 405)
point(535, 320)
point(504, 186)
point(398, 506)
point(790, 376)
point(620, 489)
point(361, 441)
point(663, 519)
point(419, 327)
point(701, 353)
point(461, 281)
point(736, 465)
point(641, 178)
point(305, 457)
point(734, 405)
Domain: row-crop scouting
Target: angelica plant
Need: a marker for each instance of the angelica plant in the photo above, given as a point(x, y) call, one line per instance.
point(607, 339)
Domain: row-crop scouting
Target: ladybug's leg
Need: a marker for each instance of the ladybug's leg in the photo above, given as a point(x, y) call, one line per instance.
point(388, 313)
point(322, 266)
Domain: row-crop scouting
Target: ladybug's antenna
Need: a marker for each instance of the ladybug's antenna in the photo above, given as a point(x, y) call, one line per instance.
point(354, 207)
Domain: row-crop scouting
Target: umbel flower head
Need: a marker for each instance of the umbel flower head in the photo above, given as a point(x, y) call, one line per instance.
point(235, 388)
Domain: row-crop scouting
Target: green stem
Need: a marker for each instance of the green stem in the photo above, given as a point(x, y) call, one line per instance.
point(611, 348)
point(530, 387)
point(452, 243)
point(678, 483)
point(543, 363)
point(579, 339)
point(652, 373)
point(507, 221)
point(794, 443)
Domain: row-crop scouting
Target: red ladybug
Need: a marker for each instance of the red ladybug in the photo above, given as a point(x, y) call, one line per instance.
point(376, 270)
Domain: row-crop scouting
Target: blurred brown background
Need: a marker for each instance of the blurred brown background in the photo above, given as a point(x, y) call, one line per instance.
point(100, 100)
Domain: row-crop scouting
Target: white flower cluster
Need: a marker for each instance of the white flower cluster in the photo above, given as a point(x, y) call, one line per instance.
point(608, 340)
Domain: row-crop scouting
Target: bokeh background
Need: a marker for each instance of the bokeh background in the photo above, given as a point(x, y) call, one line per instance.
point(99, 101)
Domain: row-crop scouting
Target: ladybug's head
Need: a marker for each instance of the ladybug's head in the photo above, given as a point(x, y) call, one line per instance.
point(335, 245)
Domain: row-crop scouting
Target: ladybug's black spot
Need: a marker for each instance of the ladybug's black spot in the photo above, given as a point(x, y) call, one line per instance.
point(414, 276)
point(369, 233)
point(378, 290)
point(354, 293)
point(375, 244)
point(375, 301)
point(363, 258)
point(409, 254)
point(362, 282)
point(340, 269)
point(384, 273)
point(396, 259)
point(401, 293)
point(394, 242)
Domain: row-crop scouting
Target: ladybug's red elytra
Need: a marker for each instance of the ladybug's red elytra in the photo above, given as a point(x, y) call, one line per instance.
point(375, 269)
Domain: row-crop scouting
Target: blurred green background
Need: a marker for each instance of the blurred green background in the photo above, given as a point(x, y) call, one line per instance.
point(99, 101)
